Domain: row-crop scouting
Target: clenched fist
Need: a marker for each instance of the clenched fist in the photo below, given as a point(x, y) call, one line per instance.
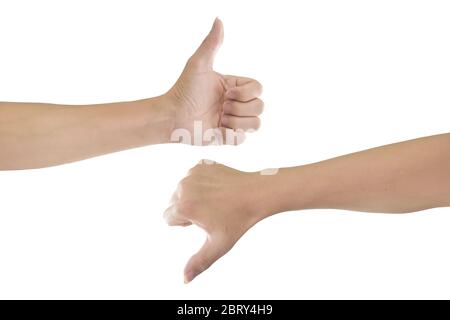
point(208, 107)
point(222, 201)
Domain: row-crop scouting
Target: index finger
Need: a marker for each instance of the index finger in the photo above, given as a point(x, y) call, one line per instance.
point(243, 89)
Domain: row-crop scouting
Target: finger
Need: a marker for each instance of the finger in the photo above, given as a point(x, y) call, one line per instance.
point(236, 81)
point(245, 90)
point(205, 54)
point(173, 219)
point(211, 251)
point(240, 123)
point(243, 109)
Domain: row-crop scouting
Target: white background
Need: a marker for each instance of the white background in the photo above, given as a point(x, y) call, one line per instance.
point(339, 76)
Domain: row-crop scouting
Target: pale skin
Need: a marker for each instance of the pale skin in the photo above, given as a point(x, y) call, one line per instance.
point(35, 135)
point(398, 178)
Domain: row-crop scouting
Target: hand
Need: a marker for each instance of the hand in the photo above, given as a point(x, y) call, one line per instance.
point(222, 201)
point(209, 105)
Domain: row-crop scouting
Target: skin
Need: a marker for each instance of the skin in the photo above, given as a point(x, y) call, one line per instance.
point(34, 135)
point(398, 178)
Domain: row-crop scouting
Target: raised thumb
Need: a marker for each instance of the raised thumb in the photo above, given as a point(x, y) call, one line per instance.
point(210, 252)
point(205, 54)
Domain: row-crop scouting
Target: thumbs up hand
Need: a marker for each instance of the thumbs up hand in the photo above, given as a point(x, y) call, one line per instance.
point(222, 201)
point(211, 105)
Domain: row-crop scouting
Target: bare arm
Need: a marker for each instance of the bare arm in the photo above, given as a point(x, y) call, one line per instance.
point(39, 135)
point(402, 177)
point(34, 135)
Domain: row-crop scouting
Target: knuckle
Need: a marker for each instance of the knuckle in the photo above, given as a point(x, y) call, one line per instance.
point(259, 87)
point(260, 106)
point(238, 94)
point(257, 123)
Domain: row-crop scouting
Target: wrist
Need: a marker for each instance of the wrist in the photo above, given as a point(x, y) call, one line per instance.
point(159, 119)
point(285, 189)
point(267, 189)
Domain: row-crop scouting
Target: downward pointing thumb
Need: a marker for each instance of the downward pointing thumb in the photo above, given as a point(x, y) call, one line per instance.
point(210, 252)
point(204, 56)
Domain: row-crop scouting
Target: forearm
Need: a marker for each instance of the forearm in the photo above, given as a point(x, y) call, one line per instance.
point(38, 135)
point(403, 177)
